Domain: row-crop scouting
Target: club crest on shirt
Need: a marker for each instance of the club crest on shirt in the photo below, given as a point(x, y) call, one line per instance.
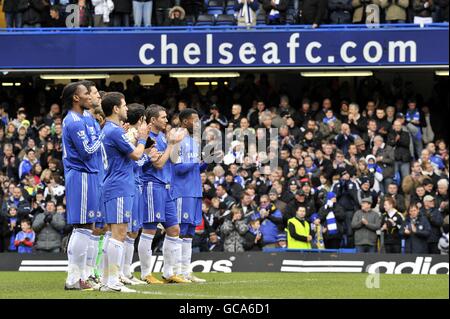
point(158, 215)
point(91, 214)
point(127, 214)
point(185, 215)
point(81, 134)
point(134, 222)
point(99, 214)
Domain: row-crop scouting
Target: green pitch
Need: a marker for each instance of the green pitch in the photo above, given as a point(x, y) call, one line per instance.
point(241, 285)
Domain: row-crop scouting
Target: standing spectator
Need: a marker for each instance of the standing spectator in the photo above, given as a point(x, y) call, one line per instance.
point(214, 243)
point(275, 11)
point(416, 230)
point(13, 10)
point(442, 15)
point(13, 220)
point(360, 6)
point(423, 10)
point(299, 232)
point(27, 163)
point(399, 199)
point(236, 112)
point(142, 12)
point(413, 120)
point(233, 231)
point(395, 10)
point(254, 237)
point(24, 240)
point(313, 12)
point(340, 11)
point(121, 13)
point(246, 12)
point(392, 222)
point(365, 224)
point(48, 227)
point(443, 242)
point(366, 191)
point(215, 117)
point(442, 196)
point(17, 200)
point(9, 164)
point(344, 139)
point(332, 216)
point(271, 221)
point(162, 8)
point(102, 11)
point(400, 141)
point(177, 17)
point(384, 155)
point(32, 14)
point(436, 221)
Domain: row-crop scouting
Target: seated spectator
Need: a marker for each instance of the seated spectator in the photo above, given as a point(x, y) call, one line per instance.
point(391, 222)
point(27, 163)
point(359, 7)
point(340, 11)
point(436, 221)
point(254, 237)
point(395, 10)
point(102, 11)
point(313, 12)
point(24, 240)
point(415, 230)
point(299, 232)
point(275, 11)
point(365, 224)
point(233, 231)
point(56, 19)
point(48, 227)
point(423, 10)
point(246, 12)
point(177, 17)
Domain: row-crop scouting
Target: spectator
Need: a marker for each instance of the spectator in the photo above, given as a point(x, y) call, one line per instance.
point(24, 240)
point(395, 10)
point(27, 163)
point(121, 13)
point(332, 216)
point(162, 8)
point(102, 11)
point(54, 191)
point(271, 221)
point(344, 139)
point(13, 10)
point(436, 221)
point(177, 17)
point(443, 241)
point(275, 11)
point(413, 120)
point(236, 112)
point(193, 7)
point(399, 199)
point(442, 197)
point(215, 117)
point(48, 227)
point(365, 191)
point(254, 237)
point(423, 11)
point(365, 224)
point(391, 222)
point(442, 6)
point(246, 12)
point(233, 231)
point(416, 230)
point(17, 200)
point(299, 232)
point(56, 20)
point(32, 15)
point(360, 10)
point(13, 220)
point(9, 165)
point(400, 141)
point(214, 243)
point(313, 12)
point(340, 11)
point(385, 159)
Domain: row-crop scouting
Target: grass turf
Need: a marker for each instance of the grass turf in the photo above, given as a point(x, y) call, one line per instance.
point(240, 286)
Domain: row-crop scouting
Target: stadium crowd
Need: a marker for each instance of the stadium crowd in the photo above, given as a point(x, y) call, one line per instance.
point(125, 13)
point(370, 174)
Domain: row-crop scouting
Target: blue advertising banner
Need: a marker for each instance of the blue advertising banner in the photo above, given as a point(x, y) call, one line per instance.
point(235, 49)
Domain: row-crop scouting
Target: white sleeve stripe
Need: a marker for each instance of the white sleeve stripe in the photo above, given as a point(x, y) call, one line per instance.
point(93, 148)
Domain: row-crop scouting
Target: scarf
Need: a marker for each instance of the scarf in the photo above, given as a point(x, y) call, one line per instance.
point(246, 13)
point(274, 14)
point(327, 120)
point(255, 232)
point(331, 219)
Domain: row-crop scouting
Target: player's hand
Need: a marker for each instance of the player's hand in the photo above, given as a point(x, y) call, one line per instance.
point(143, 131)
point(175, 136)
point(153, 154)
point(126, 126)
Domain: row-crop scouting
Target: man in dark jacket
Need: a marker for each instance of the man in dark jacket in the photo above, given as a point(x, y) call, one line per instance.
point(399, 139)
point(399, 199)
point(275, 11)
point(17, 199)
point(385, 159)
point(332, 216)
point(313, 12)
point(121, 14)
point(416, 230)
point(32, 16)
point(253, 239)
point(442, 6)
point(13, 10)
point(436, 221)
point(340, 11)
point(300, 200)
point(48, 227)
point(347, 197)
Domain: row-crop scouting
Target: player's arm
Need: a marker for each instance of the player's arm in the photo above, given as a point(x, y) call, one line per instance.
point(173, 138)
point(181, 168)
point(83, 146)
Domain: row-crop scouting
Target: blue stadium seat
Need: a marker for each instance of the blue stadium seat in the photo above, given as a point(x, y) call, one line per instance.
point(261, 19)
point(215, 7)
point(225, 19)
point(229, 8)
point(190, 20)
point(205, 20)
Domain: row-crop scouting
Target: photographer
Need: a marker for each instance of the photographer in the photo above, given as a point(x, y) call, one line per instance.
point(48, 227)
point(395, 10)
point(416, 230)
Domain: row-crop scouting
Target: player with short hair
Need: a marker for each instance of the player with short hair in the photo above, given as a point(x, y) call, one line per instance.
point(159, 206)
point(81, 181)
point(188, 191)
point(119, 188)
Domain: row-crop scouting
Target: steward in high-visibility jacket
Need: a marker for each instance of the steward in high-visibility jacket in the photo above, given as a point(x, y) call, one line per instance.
point(299, 233)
